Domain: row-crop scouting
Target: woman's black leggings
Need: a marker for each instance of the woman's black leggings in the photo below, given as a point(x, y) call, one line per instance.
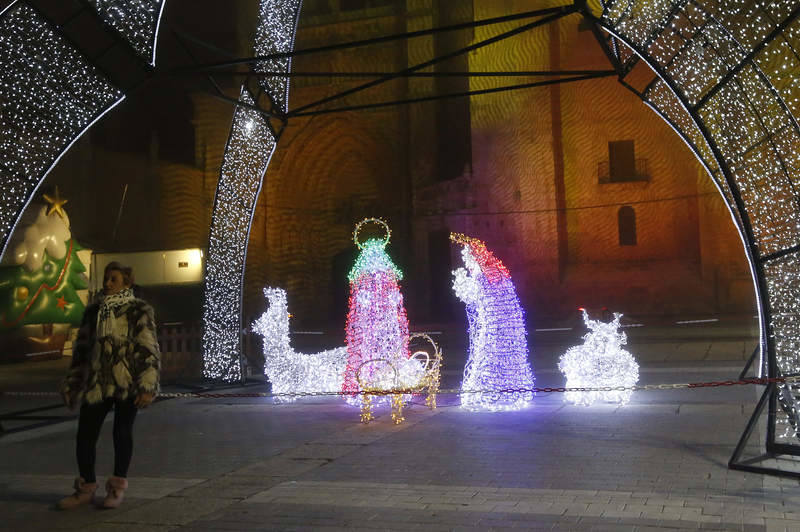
point(89, 424)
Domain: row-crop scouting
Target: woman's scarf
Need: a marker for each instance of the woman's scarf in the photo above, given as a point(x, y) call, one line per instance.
point(108, 306)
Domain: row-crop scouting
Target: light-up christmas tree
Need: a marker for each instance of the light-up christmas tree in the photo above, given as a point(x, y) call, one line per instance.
point(600, 362)
point(498, 347)
point(377, 326)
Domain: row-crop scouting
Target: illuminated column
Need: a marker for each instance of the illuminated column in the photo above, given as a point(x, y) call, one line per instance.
point(247, 154)
point(250, 146)
point(498, 347)
point(49, 96)
point(377, 326)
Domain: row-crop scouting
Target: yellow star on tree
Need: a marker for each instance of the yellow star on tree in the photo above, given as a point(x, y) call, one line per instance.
point(55, 204)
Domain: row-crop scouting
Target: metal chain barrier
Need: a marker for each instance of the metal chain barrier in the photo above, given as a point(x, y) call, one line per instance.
point(638, 387)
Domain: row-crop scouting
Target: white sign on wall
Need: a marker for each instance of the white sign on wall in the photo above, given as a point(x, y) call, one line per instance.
point(180, 266)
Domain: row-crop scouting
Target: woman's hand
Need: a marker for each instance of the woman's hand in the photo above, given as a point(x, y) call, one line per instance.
point(144, 399)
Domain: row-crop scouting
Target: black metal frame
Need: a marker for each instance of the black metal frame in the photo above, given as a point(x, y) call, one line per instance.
point(544, 16)
point(33, 415)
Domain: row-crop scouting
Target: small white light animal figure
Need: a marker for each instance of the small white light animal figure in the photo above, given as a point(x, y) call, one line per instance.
point(290, 371)
point(600, 362)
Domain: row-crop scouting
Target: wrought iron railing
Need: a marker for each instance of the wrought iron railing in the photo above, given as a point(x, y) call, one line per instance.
point(640, 173)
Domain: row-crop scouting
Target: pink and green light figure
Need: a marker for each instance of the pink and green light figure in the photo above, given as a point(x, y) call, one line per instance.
point(498, 347)
point(377, 325)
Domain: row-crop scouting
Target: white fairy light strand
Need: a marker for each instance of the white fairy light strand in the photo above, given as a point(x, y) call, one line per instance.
point(751, 119)
point(600, 362)
point(49, 96)
point(136, 20)
point(277, 25)
point(247, 155)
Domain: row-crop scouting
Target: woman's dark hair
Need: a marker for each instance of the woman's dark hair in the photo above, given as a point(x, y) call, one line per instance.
point(126, 271)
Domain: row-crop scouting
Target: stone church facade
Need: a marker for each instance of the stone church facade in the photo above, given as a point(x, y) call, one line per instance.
point(585, 194)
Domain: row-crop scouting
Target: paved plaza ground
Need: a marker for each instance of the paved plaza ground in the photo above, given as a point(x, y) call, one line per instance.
point(657, 463)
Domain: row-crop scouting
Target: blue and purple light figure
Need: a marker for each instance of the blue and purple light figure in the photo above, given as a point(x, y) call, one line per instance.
point(498, 347)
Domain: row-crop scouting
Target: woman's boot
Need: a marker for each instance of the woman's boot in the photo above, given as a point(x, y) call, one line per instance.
point(115, 490)
point(84, 493)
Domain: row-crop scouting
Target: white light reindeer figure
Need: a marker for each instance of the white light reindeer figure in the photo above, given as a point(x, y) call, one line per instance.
point(288, 370)
point(600, 362)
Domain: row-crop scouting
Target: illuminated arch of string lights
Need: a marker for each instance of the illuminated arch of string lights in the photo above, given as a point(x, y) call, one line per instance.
point(49, 96)
point(727, 82)
point(250, 146)
point(137, 21)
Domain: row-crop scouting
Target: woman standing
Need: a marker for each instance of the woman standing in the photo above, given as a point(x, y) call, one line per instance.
point(115, 364)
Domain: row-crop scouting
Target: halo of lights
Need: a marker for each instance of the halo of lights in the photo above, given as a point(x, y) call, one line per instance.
point(727, 82)
point(288, 370)
point(599, 362)
point(137, 21)
point(377, 221)
point(247, 154)
point(49, 96)
point(498, 347)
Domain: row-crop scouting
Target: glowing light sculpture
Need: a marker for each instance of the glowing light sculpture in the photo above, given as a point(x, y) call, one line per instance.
point(288, 370)
point(498, 347)
point(49, 96)
point(137, 21)
point(377, 325)
point(599, 362)
point(250, 146)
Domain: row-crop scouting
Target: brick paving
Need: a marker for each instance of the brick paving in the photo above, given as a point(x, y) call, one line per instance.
point(658, 463)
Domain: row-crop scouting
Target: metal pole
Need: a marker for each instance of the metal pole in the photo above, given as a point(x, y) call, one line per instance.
point(119, 214)
point(454, 95)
